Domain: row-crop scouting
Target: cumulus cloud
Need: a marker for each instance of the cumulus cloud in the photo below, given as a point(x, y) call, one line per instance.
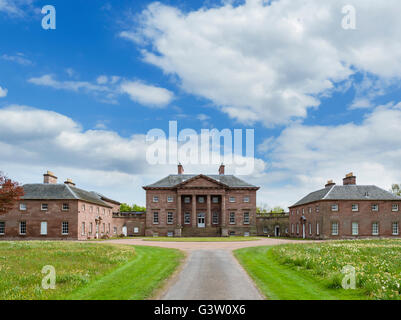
point(147, 94)
point(34, 140)
point(304, 157)
point(3, 92)
point(15, 7)
point(108, 89)
point(270, 61)
point(17, 58)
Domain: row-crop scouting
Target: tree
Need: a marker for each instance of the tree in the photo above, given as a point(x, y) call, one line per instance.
point(124, 207)
point(396, 189)
point(277, 210)
point(10, 193)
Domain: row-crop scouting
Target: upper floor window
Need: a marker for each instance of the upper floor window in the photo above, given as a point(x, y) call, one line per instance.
point(246, 217)
point(83, 207)
point(310, 210)
point(201, 199)
point(187, 199)
point(355, 207)
point(215, 199)
point(375, 207)
point(22, 206)
point(155, 199)
point(232, 199)
point(232, 217)
point(104, 210)
point(155, 218)
point(246, 199)
point(317, 209)
point(297, 211)
point(44, 207)
point(66, 207)
point(97, 210)
point(303, 211)
point(394, 207)
point(170, 218)
point(334, 207)
point(170, 199)
point(90, 209)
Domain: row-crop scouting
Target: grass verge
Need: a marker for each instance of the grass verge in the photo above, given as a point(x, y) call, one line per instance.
point(82, 270)
point(279, 281)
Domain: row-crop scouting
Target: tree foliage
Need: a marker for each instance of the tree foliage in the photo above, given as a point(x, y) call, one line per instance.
point(10, 193)
point(124, 207)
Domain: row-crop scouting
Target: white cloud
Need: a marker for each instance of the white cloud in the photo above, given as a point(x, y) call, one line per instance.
point(108, 89)
point(17, 58)
point(304, 157)
point(272, 61)
point(3, 92)
point(15, 7)
point(146, 94)
point(34, 140)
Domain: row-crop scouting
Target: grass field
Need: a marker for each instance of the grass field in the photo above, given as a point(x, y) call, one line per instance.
point(83, 270)
point(313, 271)
point(202, 239)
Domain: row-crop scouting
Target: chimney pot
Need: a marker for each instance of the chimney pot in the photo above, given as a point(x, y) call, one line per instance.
point(330, 183)
point(180, 169)
point(49, 178)
point(69, 182)
point(221, 169)
point(349, 179)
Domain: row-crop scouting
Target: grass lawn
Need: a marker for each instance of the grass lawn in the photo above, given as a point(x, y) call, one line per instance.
point(202, 239)
point(279, 281)
point(83, 270)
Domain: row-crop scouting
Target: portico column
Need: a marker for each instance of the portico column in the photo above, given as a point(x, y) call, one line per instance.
point(209, 211)
point(179, 218)
point(193, 210)
point(223, 210)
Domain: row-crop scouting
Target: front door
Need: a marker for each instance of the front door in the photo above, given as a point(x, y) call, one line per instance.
point(201, 220)
point(277, 231)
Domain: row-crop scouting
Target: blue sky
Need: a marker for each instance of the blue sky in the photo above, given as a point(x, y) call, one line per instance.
point(323, 101)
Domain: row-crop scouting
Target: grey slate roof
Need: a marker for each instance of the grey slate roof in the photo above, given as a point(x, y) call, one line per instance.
point(60, 192)
point(349, 192)
point(174, 179)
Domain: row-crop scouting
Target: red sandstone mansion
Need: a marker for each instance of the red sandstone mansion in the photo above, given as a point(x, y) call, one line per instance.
point(59, 211)
point(346, 212)
point(200, 205)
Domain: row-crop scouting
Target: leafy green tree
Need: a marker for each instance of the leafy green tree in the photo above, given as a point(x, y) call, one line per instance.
point(124, 207)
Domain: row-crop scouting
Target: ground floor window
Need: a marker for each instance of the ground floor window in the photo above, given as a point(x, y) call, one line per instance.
point(246, 234)
point(155, 218)
point(2, 227)
point(136, 230)
point(108, 228)
point(115, 230)
point(170, 218)
point(232, 217)
point(317, 228)
point(395, 228)
point(292, 228)
point(246, 217)
point(43, 228)
point(90, 228)
point(64, 228)
point(215, 218)
point(310, 228)
point(297, 228)
point(187, 218)
point(334, 229)
point(22, 227)
point(375, 228)
point(264, 229)
point(104, 227)
point(83, 229)
point(170, 234)
point(355, 228)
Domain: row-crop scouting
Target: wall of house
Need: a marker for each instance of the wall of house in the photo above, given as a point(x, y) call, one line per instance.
point(34, 215)
point(365, 217)
point(130, 222)
point(266, 225)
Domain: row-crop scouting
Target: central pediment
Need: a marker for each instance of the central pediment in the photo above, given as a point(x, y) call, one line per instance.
point(201, 181)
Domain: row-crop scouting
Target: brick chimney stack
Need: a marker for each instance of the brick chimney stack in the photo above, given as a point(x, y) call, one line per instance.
point(49, 178)
point(69, 182)
point(180, 169)
point(330, 183)
point(221, 169)
point(349, 179)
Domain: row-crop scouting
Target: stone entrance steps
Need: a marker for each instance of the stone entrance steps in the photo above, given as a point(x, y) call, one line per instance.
point(201, 232)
